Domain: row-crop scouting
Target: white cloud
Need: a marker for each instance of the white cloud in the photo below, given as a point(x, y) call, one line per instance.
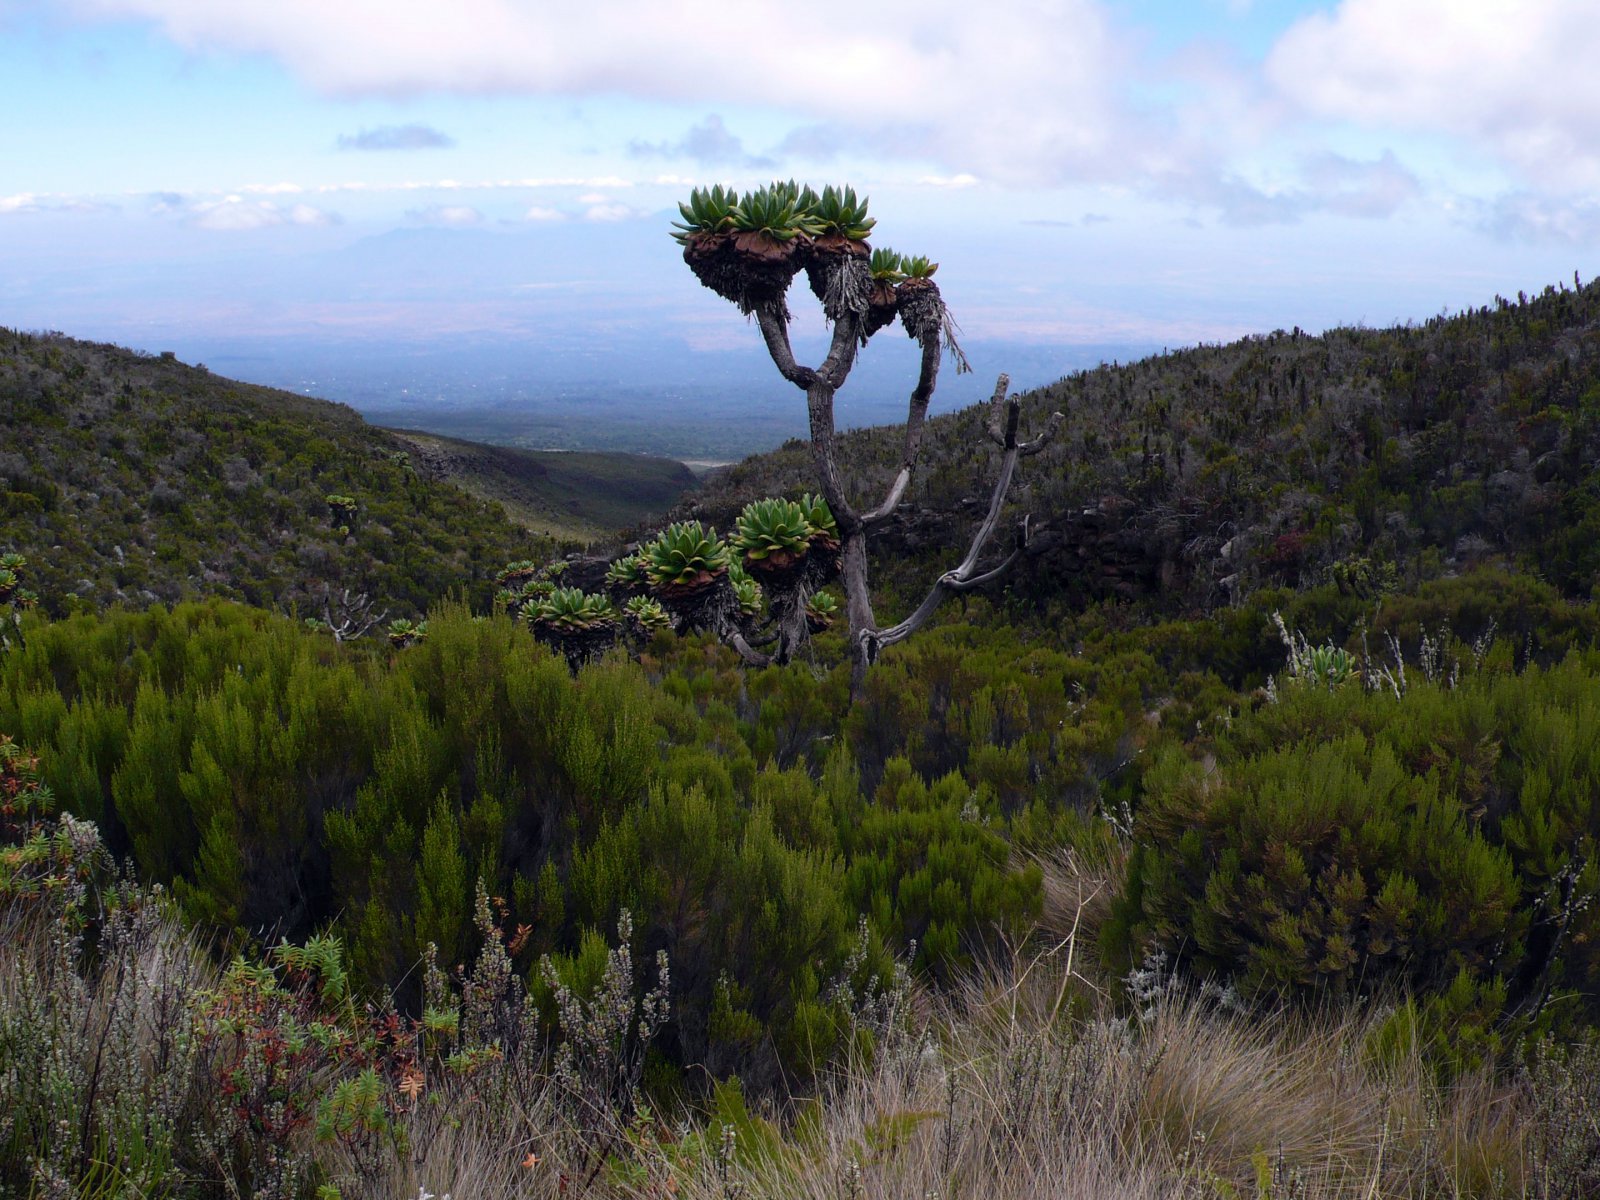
point(611, 212)
point(1525, 217)
point(1358, 189)
point(454, 216)
point(234, 213)
point(305, 214)
point(456, 185)
point(1324, 183)
point(32, 202)
point(1034, 93)
point(540, 213)
point(1513, 79)
point(1014, 90)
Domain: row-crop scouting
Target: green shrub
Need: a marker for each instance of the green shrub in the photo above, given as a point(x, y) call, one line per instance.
point(1441, 842)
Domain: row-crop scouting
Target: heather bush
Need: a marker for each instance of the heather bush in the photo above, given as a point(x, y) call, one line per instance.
point(1436, 838)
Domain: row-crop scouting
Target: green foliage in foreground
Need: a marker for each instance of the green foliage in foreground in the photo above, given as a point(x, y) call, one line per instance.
point(134, 1066)
point(1424, 836)
point(274, 780)
point(1437, 839)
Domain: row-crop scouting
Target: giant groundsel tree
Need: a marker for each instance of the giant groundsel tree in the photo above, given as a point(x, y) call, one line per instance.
point(748, 249)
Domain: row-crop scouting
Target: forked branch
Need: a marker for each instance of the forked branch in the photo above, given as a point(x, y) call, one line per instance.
point(1004, 418)
point(349, 617)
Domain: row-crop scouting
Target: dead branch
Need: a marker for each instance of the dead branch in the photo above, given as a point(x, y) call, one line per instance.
point(1004, 418)
point(349, 617)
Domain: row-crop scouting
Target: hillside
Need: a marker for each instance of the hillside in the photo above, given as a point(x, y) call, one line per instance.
point(569, 495)
point(1192, 479)
point(132, 478)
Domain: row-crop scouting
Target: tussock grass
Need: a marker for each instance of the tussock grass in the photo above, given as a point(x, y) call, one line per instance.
point(1029, 1079)
point(1003, 1089)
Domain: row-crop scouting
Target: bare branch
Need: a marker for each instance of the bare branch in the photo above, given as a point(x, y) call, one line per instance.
point(897, 491)
point(1029, 448)
point(355, 616)
point(752, 657)
point(916, 420)
point(819, 406)
point(965, 577)
point(775, 332)
point(842, 352)
point(967, 585)
point(993, 423)
point(980, 540)
point(820, 387)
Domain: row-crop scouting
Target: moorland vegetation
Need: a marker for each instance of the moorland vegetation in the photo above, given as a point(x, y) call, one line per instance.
point(1240, 843)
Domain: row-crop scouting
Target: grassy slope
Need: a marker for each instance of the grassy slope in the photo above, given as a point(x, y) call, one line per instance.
point(576, 496)
point(1272, 460)
point(136, 479)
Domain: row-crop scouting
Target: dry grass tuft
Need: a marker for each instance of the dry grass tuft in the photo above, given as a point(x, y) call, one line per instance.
point(1027, 1082)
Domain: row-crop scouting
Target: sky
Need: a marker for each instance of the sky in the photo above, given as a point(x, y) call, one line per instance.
point(1154, 172)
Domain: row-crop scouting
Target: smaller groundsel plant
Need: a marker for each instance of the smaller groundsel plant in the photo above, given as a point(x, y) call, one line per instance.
point(772, 535)
point(571, 610)
point(342, 511)
point(403, 633)
point(580, 625)
point(525, 582)
point(821, 609)
point(837, 213)
point(515, 574)
point(628, 575)
point(1326, 666)
point(14, 599)
point(824, 529)
point(746, 591)
point(708, 210)
point(887, 266)
point(646, 615)
point(686, 558)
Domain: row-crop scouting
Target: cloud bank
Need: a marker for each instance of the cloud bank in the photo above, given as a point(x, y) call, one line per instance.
point(1510, 79)
point(1016, 93)
point(450, 216)
point(1015, 90)
point(236, 213)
